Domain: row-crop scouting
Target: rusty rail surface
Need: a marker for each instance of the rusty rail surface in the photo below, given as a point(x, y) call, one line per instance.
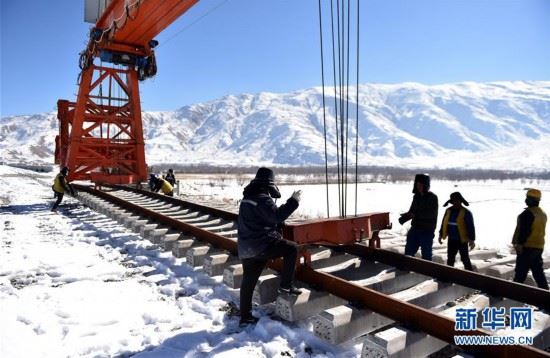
point(215, 239)
point(492, 285)
point(216, 212)
point(422, 319)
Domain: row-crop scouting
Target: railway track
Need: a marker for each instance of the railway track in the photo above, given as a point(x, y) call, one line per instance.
point(399, 305)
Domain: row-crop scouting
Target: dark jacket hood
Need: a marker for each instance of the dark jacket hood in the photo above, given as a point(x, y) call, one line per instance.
point(261, 187)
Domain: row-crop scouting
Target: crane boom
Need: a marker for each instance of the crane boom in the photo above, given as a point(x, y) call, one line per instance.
point(101, 135)
point(148, 19)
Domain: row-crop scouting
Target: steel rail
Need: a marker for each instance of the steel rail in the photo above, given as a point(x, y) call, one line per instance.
point(216, 212)
point(492, 285)
point(215, 239)
point(488, 284)
point(422, 319)
point(419, 318)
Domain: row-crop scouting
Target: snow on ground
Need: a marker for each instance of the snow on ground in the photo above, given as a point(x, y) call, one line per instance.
point(76, 283)
point(495, 204)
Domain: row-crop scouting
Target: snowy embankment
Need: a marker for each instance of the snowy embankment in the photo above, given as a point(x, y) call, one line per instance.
point(78, 284)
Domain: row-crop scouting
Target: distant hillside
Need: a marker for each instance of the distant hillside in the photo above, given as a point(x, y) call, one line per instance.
point(500, 125)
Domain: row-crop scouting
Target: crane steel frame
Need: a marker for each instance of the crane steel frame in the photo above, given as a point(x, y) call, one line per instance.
point(101, 134)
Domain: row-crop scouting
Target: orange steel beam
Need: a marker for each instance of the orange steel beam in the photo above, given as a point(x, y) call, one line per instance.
point(133, 23)
point(101, 134)
point(105, 143)
point(336, 231)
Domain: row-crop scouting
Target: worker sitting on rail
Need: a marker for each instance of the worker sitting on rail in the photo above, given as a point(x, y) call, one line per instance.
point(259, 239)
point(170, 177)
point(423, 212)
point(458, 225)
point(60, 186)
point(528, 240)
point(162, 184)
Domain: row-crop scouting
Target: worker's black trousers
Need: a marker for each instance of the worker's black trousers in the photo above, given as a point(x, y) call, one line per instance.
point(530, 259)
point(252, 269)
point(58, 201)
point(462, 247)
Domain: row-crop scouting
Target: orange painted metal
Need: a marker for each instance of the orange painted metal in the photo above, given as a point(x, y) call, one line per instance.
point(337, 231)
point(65, 114)
point(135, 22)
point(101, 135)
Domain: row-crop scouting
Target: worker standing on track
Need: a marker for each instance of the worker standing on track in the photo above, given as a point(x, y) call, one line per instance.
point(528, 240)
point(423, 212)
point(259, 239)
point(162, 185)
point(60, 186)
point(458, 226)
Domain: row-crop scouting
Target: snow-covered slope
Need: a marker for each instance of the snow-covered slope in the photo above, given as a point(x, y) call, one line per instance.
point(502, 125)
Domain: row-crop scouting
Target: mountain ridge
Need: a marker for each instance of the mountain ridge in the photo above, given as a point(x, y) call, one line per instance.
point(447, 125)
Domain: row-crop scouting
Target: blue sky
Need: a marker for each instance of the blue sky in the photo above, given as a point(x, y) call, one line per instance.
point(273, 45)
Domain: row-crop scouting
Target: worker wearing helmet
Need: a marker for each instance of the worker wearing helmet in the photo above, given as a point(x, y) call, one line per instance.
point(259, 239)
point(528, 240)
point(423, 212)
point(160, 184)
point(458, 226)
point(60, 186)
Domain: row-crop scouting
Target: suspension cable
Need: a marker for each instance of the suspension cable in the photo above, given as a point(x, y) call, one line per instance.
point(341, 60)
point(357, 114)
point(340, 13)
point(347, 111)
point(335, 103)
point(324, 112)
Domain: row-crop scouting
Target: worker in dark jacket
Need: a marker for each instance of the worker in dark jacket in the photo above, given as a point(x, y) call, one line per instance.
point(152, 181)
point(458, 226)
point(259, 239)
point(528, 240)
point(60, 186)
point(423, 212)
point(170, 177)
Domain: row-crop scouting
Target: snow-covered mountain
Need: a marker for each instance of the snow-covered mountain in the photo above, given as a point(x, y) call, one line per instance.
point(499, 125)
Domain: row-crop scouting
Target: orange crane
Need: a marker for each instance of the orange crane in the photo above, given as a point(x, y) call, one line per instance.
point(101, 135)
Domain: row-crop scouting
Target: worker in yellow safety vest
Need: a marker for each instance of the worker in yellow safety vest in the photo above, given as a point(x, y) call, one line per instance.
point(458, 226)
point(60, 186)
point(528, 240)
point(160, 184)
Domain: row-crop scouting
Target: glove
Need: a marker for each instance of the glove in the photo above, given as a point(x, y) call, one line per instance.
point(297, 195)
point(519, 249)
point(404, 218)
point(471, 244)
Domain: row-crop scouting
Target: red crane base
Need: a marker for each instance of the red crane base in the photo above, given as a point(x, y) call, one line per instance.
point(100, 135)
